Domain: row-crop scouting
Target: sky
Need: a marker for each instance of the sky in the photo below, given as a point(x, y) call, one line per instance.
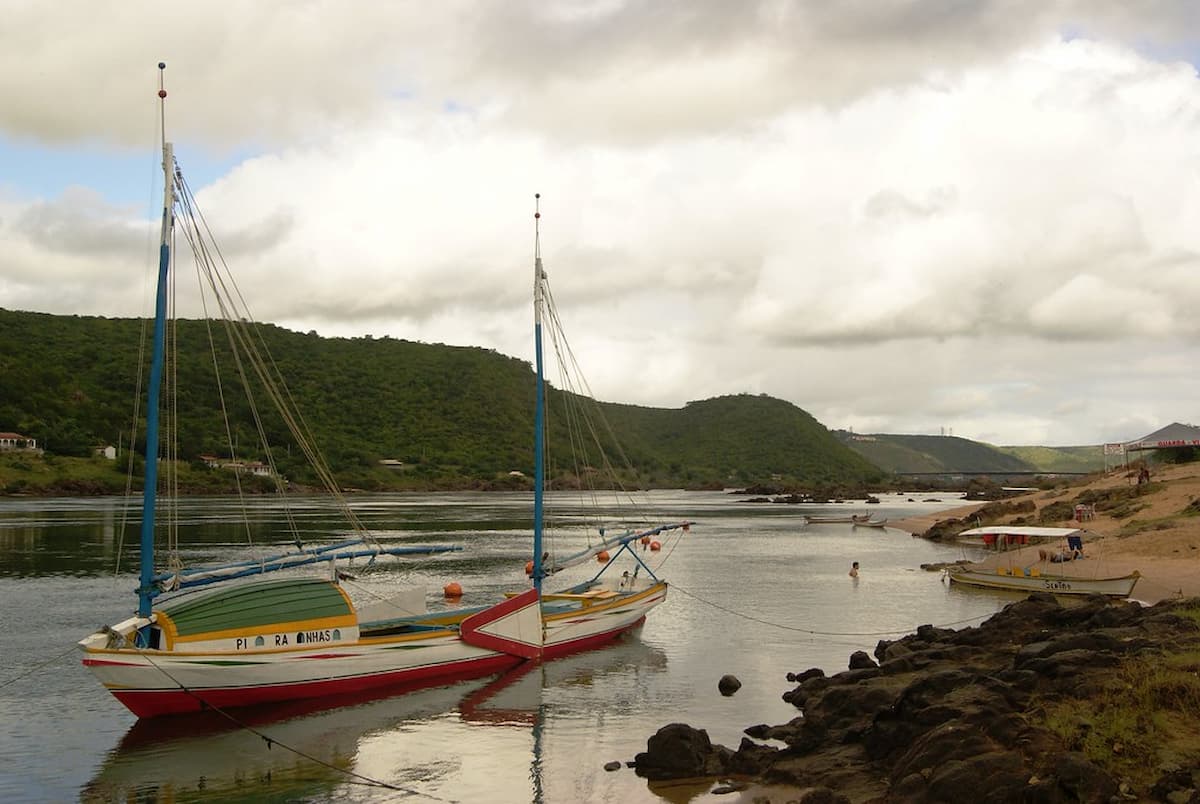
point(903, 216)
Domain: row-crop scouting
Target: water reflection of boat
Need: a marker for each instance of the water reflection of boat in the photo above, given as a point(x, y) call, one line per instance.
point(300, 749)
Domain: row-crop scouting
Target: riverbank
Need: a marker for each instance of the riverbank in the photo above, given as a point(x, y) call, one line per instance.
point(1094, 700)
point(1152, 528)
point(1091, 701)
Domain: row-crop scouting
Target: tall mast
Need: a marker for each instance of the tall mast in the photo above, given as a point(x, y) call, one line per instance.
point(146, 590)
point(539, 409)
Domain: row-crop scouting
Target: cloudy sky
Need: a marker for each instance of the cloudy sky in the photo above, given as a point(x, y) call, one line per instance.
point(904, 216)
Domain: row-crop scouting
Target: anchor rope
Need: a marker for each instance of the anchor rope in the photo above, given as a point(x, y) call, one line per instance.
point(813, 632)
point(271, 741)
point(36, 668)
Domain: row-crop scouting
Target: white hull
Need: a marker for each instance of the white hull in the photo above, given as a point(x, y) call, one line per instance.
point(1056, 584)
point(152, 682)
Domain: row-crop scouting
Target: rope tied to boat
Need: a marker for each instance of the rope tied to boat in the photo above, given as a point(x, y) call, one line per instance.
point(271, 741)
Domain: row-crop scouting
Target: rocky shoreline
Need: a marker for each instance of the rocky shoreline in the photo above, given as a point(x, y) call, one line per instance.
point(1046, 701)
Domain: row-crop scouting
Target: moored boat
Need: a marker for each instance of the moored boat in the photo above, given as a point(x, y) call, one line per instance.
point(249, 640)
point(1034, 580)
point(820, 519)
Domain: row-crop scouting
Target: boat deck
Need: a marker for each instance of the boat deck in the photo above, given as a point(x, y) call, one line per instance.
point(1092, 565)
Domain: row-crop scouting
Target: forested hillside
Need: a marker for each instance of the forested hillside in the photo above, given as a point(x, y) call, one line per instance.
point(1060, 459)
point(444, 416)
point(908, 454)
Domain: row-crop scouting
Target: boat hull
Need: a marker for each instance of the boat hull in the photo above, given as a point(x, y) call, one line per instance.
point(1121, 586)
point(153, 683)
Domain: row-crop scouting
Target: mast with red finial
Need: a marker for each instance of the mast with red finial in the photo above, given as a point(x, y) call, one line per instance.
point(539, 415)
point(146, 588)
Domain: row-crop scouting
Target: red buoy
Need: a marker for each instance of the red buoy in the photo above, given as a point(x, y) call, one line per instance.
point(602, 556)
point(452, 589)
point(655, 546)
point(529, 567)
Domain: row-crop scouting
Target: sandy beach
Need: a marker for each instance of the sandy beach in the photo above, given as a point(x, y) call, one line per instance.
point(1161, 540)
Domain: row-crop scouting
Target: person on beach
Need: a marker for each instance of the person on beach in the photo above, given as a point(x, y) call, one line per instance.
point(854, 570)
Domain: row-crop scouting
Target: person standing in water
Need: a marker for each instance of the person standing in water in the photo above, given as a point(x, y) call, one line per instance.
point(854, 570)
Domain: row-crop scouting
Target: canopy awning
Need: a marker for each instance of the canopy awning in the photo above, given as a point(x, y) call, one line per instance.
point(1173, 435)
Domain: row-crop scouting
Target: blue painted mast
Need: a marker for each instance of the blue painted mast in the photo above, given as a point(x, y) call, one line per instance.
point(539, 409)
point(146, 588)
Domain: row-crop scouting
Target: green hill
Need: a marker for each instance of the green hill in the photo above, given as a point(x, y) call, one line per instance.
point(444, 416)
point(1060, 459)
point(924, 453)
point(910, 454)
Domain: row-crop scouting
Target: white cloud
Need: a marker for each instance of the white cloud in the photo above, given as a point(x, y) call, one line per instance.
point(901, 217)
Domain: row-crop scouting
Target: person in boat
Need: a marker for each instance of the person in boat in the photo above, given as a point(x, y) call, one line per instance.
point(1061, 556)
point(854, 570)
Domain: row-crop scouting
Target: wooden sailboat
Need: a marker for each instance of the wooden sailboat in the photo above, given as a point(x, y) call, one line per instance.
point(247, 640)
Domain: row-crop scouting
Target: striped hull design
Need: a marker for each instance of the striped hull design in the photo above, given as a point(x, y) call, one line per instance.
point(155, 683)
point(1055, 584)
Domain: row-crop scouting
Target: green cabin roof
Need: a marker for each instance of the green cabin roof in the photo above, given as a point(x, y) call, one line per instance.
point(257, 604)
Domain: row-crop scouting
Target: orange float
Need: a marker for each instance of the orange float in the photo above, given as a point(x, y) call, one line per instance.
point(452, 589)
point(602, 556)
point(529, 567)
point(655, 545)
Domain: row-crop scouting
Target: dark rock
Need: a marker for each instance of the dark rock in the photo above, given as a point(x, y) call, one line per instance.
point(863, 674)
point(728, 685)
point(1084, 780)
point(1172, 780)
point(1069, 663)
point(928, 633)
point(612, 766)
point(945, 715)
point(677, 751)
point(752, 758)
point(859, 660)
point(818, 795)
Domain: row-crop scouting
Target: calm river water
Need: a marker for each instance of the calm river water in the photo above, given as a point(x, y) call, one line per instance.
point(756, 593)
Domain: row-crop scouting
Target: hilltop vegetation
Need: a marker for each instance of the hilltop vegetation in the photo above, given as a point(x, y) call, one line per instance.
point(906, 454)
point(1060, 459)
point(445, 416)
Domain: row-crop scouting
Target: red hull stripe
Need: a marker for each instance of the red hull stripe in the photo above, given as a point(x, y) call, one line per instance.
point(153, 703)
